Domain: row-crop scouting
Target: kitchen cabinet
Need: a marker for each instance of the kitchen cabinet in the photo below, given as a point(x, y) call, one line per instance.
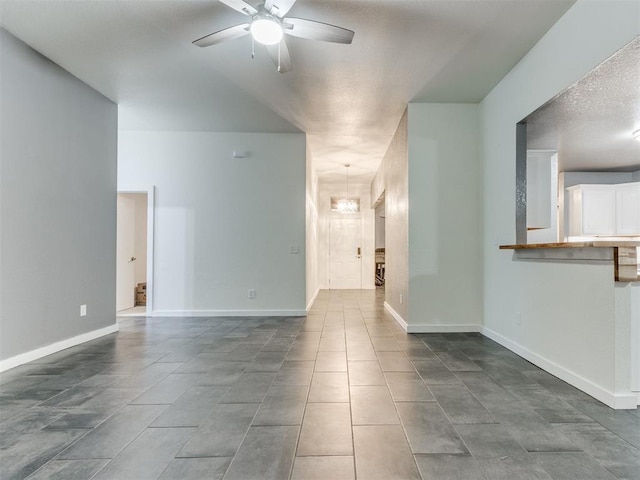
point(604, 210)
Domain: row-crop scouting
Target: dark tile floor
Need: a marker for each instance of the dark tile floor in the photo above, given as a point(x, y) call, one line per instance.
point(341, 394)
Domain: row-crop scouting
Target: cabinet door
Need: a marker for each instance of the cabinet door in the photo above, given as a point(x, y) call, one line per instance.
point(628, 209)
point(598, 210)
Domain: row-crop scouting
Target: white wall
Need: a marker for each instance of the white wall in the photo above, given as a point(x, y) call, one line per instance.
point(567, 309)
point(380, 225)
point(223, 225)
point(58, 206)
point(445, 218)
point(363, 191)
point(312, 226)
point(392, 180)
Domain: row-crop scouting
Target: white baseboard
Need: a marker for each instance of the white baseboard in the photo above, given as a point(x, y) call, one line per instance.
point(612, 400)
point(431, 328)
point(313, 299)
point(55, 347)
point(396, 316)
point(444, 328)
point(228, 313)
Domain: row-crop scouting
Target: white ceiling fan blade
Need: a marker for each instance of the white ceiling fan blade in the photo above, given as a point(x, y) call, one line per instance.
point(240, 6)
point(223, 35)
point(299, 27)
point(281, 6)
point(279, 53)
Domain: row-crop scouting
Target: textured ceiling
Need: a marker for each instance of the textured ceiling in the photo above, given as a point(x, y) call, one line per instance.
point(347, 98)
point(591, 122)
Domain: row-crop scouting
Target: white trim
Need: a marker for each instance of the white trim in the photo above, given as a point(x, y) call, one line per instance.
point(150, 191)
point(444, 328)
point(229, 313)
point(396, 316)
point(313, 299)
point(55, 347)
point(617, 401)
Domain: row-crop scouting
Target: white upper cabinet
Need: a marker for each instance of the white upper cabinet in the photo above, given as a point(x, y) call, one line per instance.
point(604, 210)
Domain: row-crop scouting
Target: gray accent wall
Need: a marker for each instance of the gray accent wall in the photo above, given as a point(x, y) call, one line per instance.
point(58, 147)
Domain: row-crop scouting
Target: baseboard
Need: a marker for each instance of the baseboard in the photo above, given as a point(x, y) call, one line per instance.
point(228, 313)
point(55, 347)
point(313, 299)
point(612, 400)
point(444, 328)
point(396, 316)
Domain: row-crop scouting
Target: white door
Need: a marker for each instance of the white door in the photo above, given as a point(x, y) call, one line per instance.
point(125, 248)
point(345, 253)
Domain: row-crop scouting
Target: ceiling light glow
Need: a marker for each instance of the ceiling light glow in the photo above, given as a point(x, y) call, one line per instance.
point(266, 31)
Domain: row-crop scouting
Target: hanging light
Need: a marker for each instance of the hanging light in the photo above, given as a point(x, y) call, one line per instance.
point(346, 204)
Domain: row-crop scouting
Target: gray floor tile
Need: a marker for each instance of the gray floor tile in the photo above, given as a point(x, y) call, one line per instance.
point(265, 454)
point(81, 400)
point(222, 432)
point(360, 351)
point(509, 468)
point(192, 408)
point(283, 405)
point(326, 430)
point(250, 388)
point(295, 373)
point(196, 468)
point(372, 405)
point(323, 468)
point(365, 373)
point(408, 387)
point(460, 405)
point(69, 470)
point(24, 458)
point(167, 390)
point(147, 456)
point(612, 452)
point(449, 467)
point(434, 372)
point(110, 437)
point(382, 452)
point(329, 387)
point(570, 466)
point(428, 429)
point(331, 362)
point(394, 362)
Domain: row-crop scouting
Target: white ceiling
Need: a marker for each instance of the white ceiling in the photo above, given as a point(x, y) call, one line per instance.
point(591, 123)
point(347, 98)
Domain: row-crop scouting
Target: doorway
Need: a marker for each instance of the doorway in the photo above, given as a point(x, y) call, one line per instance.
point(345, 253)
point(134, 252)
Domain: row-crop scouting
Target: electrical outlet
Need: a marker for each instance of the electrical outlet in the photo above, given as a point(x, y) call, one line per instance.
point(518, 318)
point(401, 298)
point(83, 310)
point(294, 249)
point(251, 293)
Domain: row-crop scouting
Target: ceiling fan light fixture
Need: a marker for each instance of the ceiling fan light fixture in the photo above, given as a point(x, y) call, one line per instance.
point(636, 135)
point(266, 31)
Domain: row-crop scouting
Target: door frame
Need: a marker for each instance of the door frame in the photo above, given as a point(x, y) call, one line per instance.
point(150, 191)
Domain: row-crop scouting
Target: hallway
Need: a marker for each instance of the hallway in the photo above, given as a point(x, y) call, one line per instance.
point(342, 394)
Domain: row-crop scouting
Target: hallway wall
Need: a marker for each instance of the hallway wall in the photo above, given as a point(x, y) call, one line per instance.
point(58, 146)
point(445, 218)
point(223, 225)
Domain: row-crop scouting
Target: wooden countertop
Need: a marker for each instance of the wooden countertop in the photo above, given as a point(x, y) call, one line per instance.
point(625, 254)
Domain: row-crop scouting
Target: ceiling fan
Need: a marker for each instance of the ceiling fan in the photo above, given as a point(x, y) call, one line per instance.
point(268, 25)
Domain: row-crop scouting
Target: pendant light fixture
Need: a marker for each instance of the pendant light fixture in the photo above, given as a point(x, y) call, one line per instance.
point(347, 204)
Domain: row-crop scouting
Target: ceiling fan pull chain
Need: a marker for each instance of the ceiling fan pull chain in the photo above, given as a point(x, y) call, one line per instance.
point(279, 47)
point(253, 48)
